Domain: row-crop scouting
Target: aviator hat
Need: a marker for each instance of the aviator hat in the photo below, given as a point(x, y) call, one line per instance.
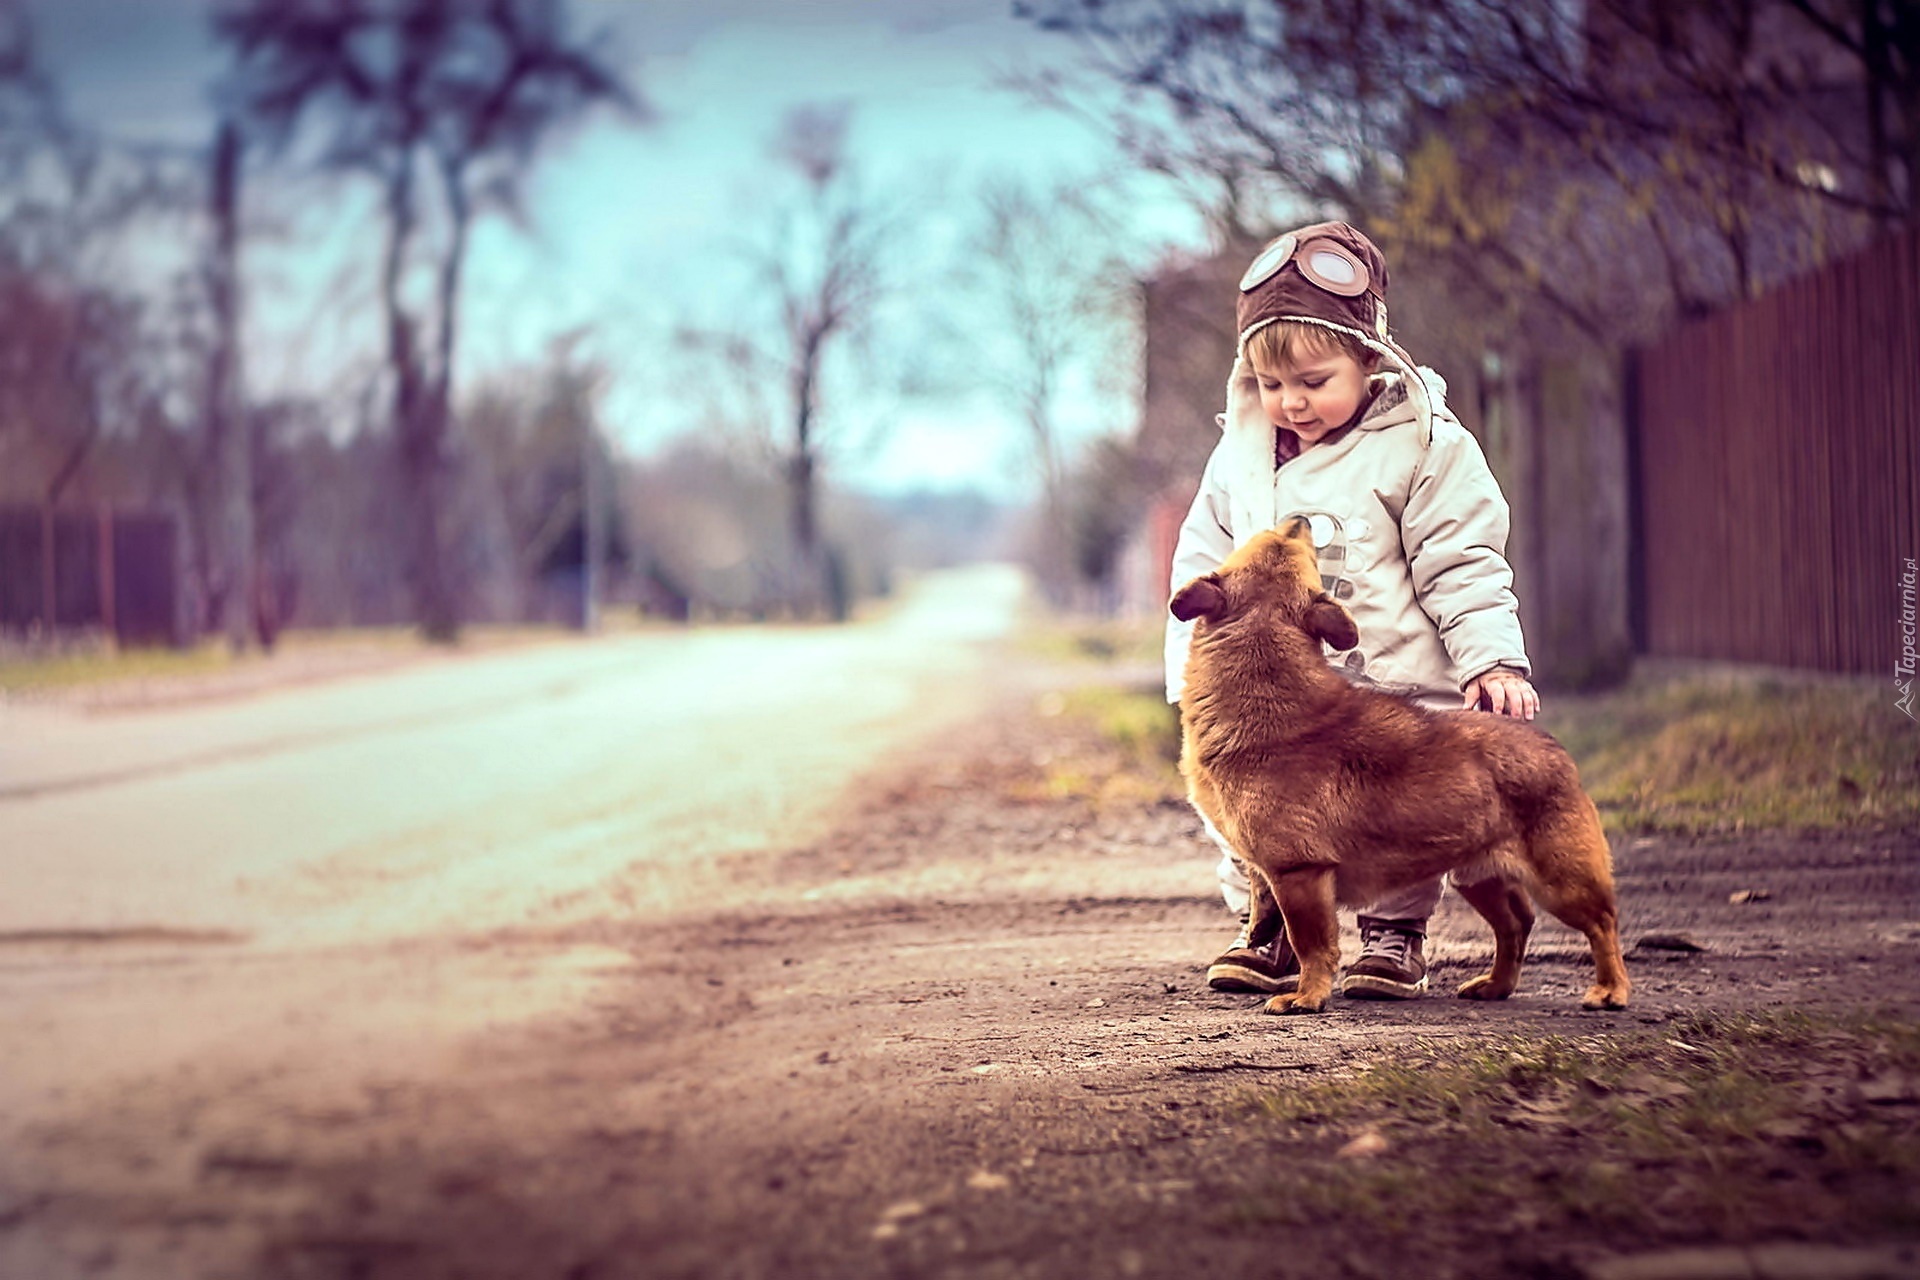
point(1331, 275)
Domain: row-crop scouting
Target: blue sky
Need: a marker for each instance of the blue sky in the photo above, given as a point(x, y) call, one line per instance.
point(633, 231)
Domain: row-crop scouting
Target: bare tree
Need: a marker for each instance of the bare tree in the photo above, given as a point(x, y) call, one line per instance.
point(29, 108)
point(229, 439)
point(818, 272)
point(1046, 265)
point(65, 375)
point(1554, 160)
point(120, 354)
point(826, 269)
point(444, 104)
point(69, 326)
point(543, 466)
point(71, 334)
point(1882, 37)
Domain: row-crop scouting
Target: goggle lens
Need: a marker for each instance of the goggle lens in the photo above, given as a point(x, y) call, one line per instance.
point(1325, 263)
point(1268, 264)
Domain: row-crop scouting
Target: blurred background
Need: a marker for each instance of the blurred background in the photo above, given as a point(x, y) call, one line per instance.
point(323, 314)
point(415, 340)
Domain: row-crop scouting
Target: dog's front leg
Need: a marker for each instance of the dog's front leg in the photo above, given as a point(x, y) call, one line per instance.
point(1305, 895)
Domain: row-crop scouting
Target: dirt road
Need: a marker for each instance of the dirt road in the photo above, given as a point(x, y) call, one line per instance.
point(473, 791)
point(962, 1033)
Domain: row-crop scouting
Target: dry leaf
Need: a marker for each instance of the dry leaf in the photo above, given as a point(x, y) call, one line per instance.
point(901, 1210)
point(1365, 1147)
point(1667, 942)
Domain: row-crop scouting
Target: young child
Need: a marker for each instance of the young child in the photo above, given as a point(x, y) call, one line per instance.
point(1329, 419)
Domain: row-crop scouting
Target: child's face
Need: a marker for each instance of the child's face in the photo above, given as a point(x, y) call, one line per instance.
point(1314, 396)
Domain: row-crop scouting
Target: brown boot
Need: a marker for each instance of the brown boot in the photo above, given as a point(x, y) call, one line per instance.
point(1264, 966)
point(1392, 963)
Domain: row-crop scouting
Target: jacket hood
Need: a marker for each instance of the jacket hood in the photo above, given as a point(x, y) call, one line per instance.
point(1393, 404)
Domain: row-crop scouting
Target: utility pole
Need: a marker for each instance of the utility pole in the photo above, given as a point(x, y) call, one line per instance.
point(229, 437)
point(593, 550)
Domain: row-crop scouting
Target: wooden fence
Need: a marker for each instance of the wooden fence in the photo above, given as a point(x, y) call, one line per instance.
point(111, 571)
point(1775, 462)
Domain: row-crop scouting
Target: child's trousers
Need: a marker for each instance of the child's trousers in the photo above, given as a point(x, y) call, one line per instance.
point(1415, 902)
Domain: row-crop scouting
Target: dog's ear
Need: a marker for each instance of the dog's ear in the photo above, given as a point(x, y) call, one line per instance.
point(1327, 619)
point(1204, 597)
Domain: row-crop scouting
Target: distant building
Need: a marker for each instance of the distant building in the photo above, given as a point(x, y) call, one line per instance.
point(1187, 319)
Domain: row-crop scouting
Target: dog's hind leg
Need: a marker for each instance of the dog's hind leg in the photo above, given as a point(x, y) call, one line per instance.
point(1572, 879)
point(1597, 919)
point(1502, 904)
point(1306, 902)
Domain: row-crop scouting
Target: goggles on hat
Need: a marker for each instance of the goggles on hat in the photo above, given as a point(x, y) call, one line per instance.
point(1325, 263)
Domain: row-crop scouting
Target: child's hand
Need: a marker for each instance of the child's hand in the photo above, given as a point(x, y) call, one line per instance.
point(1502, 691)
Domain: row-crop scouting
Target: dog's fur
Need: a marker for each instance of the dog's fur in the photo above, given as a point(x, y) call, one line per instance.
point(1336, 794)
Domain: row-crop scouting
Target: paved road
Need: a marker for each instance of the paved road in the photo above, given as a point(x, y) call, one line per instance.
point(471, 792)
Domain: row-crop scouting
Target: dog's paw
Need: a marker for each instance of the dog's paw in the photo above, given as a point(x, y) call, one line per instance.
point(1293, 1003)
point(1482, 988)
point(1599, 997)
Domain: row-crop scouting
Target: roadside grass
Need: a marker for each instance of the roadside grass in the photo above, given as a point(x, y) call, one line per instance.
point(1724, 1128)
point(1100, 640)
point(99, 663)
point(1125, 748)
point(1119, 741)
point(1718, 750)
point(1684, 750)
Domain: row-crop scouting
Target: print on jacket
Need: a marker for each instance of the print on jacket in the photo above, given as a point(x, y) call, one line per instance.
point(1330, 544)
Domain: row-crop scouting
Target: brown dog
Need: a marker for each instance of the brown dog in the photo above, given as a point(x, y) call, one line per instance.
point(1337, 794)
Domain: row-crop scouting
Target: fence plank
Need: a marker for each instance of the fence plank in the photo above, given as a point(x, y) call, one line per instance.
point(104, 570)
point(1776, 470)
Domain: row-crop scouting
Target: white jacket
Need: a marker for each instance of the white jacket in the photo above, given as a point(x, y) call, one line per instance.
point(1411, 528)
